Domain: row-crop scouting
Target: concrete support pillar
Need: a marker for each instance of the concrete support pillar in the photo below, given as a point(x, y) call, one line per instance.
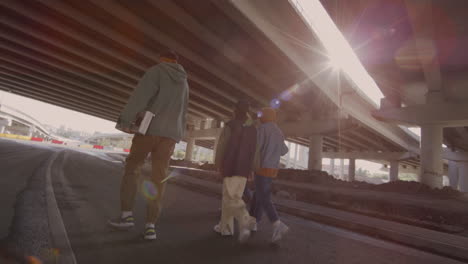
point(216, 141)
point(315, 152)
point(296, 151)
point(288, 155)
point(453, 174)
point(202, 124)
point(342, 169)
point(332, 167)
point(215, 123)
point(431, 155)
point(393, 175)
point(463, 176)
point(31, 131)
point(189, 149)
point(2, 129)
point(351, 170)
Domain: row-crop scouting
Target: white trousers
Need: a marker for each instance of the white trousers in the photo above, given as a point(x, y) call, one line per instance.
point(233, 206)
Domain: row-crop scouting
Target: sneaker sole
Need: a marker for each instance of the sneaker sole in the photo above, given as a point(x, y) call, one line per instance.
point(244, 236)
point(283, 233)
point(152, 237)
point(121, 226)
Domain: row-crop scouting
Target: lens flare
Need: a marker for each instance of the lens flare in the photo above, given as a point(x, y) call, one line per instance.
point(275, 103)
point(149, 190)
point(289, 93)
point(171, 175)
point(33, 260)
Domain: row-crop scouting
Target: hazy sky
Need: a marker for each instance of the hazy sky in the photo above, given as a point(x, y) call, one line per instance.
point(56, 116)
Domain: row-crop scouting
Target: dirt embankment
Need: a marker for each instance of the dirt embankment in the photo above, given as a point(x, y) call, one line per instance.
point(413, 203)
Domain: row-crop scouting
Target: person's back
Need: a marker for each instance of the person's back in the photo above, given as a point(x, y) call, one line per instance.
point(271, 145)
point(163, 90)
point(240, 149)
point(234, 158)
point(270, 148)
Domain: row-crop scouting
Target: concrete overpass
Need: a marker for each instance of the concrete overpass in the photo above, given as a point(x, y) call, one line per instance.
point(88, 56)
point(14, 121)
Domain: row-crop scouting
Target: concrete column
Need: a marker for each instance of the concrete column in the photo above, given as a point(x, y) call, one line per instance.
point(296, 151)
point(342, 169)
point(31, 131)
point(315, 152)
point(214, 123)
point(393, 175)
point(216, 141)
point(332, 166)
point(3, 124)
point(463, 176)
point(431, 155)
point(351, 170)
point(288, 155)
point(453, 174)
point(202, 124)
point(189, 149)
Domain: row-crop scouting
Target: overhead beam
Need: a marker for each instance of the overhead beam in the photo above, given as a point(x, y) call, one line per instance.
point(422, 21)
point(59, 49)
point(210, 133)
point(85, 75)
point(371, 155)
point(223, 48)
point(455, 155)
point(93, 44)
point(308, 128)
point(444, 114)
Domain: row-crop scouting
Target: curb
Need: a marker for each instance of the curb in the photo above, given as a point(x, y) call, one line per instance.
point(59, 236)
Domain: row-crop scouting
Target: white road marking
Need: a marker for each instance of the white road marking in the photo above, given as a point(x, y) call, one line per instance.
point(59, 233)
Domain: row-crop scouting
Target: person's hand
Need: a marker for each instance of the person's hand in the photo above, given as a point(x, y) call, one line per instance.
point(126, 130)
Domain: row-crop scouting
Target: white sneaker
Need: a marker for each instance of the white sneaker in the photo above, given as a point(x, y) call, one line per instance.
point(217, 229)
point(150, 233)
point(252, 224)
point(122, 223)
point(279, 230)
point(244, 235)
point(253, 227)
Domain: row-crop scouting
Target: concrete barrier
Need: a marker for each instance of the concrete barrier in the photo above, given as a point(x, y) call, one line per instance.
point(98, 147)
point(38, 139)
point(13, 136)
point(23, 137)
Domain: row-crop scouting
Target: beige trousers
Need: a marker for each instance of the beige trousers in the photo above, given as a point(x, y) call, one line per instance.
point(161, 149)
point(233, 207)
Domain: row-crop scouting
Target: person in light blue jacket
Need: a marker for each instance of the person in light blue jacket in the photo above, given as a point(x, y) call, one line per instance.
point(270, 148)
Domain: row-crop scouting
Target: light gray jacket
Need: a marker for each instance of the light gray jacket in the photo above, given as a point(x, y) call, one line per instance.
point(270, 146)
point(168, 82)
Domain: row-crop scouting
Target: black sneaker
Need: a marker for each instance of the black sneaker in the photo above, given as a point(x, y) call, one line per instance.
point(122, 223)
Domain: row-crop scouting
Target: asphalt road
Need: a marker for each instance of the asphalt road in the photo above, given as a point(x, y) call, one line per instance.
point(86, 188)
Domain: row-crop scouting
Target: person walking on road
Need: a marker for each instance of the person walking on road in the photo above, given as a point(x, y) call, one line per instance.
point(270, 148)
point(234, 159)
point(164, 91)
